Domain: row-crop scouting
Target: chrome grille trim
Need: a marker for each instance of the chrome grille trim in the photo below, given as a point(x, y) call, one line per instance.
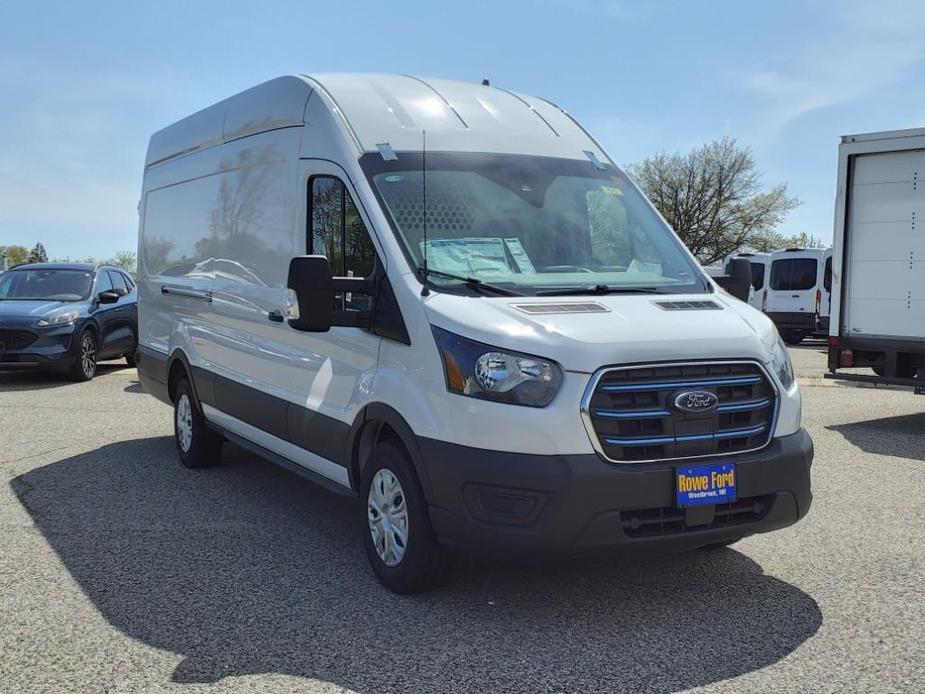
point(770, 427)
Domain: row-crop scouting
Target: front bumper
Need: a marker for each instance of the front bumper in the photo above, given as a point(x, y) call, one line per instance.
point(510, 502)
point(50, 348)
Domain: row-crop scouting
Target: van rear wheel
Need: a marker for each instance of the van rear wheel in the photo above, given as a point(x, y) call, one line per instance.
point(400, 543)
point(197, 445)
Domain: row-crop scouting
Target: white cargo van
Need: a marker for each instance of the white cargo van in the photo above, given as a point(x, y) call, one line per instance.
point(447, 300)
point(760, 262)
point(878, 269)
point(795, 291)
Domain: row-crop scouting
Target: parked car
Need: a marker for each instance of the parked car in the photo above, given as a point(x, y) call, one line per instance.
point(446, 299)
point(66, 317)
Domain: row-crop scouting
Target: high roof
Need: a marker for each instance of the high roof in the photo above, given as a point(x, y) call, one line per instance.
point(380, 108)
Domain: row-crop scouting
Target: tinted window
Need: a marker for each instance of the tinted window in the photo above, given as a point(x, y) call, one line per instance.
point(337, 232)
point(793, 274)
point(118, 282)
point(103, 283)
point(57, 285)
point(757, 275)
point(827, 276)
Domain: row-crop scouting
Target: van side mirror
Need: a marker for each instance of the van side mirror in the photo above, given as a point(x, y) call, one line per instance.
point(315, 292)
point(738, 280)
point(108, 297)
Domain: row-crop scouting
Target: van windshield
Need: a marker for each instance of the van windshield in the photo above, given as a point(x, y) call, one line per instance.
point(533, 224)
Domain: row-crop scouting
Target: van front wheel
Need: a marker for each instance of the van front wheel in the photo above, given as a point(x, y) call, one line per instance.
point(400, 542)
point(197, 445)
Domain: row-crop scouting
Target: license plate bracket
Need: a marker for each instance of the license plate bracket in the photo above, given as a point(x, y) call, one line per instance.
point(703, 485)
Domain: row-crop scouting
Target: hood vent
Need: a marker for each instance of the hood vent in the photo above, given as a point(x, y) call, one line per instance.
point(688, 305)
point(548, 309)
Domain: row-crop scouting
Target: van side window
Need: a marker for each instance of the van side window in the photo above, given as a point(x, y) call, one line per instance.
point(338, 232)
point(827, 274)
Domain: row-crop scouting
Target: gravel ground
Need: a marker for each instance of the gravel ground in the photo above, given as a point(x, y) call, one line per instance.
point(120, 571)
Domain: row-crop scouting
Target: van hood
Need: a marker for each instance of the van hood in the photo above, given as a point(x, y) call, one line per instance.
point(612, 329)
point(21, 309)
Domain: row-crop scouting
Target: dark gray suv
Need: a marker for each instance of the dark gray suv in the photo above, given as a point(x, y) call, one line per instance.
point(66, 317)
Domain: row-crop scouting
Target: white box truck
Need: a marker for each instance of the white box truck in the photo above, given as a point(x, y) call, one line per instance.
point(446, 300)
point(878, 269)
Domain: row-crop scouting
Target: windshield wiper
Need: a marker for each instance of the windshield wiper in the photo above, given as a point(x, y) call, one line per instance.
point(471, 282)
point(598, 289)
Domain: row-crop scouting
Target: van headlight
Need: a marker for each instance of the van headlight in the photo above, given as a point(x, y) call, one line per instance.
point(780, 363)
point(482, 371)
point(60, 317)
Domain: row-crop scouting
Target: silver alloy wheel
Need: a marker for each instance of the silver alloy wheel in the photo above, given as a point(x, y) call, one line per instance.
point(184, 423)
point(388, 517)
point(88, 355)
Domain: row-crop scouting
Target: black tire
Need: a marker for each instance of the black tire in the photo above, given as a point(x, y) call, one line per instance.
point(424, 563)
point(793, 337)
point(203, 447)
point(130, 359)
point(88, 351)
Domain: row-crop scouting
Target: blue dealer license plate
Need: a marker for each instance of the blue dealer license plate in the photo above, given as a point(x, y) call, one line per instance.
point(701, 485)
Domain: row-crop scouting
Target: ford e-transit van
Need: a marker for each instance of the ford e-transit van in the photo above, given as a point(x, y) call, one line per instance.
point(797, 293)
point(447, 300)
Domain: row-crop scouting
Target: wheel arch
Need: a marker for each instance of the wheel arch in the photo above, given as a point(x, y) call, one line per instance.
point(376, 423)
point(178, 366)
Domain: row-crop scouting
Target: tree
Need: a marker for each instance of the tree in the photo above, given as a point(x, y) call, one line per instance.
point(772, 241)
point(15, 255)
point(713, 197)
point(124, 260)
point(38, 254)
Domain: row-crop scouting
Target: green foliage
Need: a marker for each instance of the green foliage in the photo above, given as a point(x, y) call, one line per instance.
point(15, 255)
point(713, 198)
point(125, 260)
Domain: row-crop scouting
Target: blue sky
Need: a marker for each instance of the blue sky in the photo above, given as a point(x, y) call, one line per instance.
point(85, 84)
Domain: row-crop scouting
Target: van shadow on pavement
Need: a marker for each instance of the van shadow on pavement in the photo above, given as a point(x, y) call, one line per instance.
point(902, 436)
point(246, 569)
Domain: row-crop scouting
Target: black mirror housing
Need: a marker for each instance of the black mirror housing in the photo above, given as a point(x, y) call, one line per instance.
point(311, 281)
point(315, 291)
point(738, 281)
point(110, 297)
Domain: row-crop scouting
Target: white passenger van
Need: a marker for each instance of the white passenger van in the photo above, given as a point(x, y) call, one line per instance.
point(760, 262)
point(447, 300)
point(796, 291)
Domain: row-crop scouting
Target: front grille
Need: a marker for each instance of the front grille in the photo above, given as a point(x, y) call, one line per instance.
point(668, 520)
point(631, 412)
point(16, 339)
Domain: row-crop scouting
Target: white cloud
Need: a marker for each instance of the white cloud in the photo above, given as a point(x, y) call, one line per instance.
point(869, 47)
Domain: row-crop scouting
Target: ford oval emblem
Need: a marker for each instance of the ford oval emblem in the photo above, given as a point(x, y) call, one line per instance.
point(695, 401)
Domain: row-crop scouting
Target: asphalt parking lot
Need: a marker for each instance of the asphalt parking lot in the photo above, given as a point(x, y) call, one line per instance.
point(120, 571)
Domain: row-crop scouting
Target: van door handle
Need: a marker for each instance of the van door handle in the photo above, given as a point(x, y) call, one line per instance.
point(275, 315)
point(185, 291)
